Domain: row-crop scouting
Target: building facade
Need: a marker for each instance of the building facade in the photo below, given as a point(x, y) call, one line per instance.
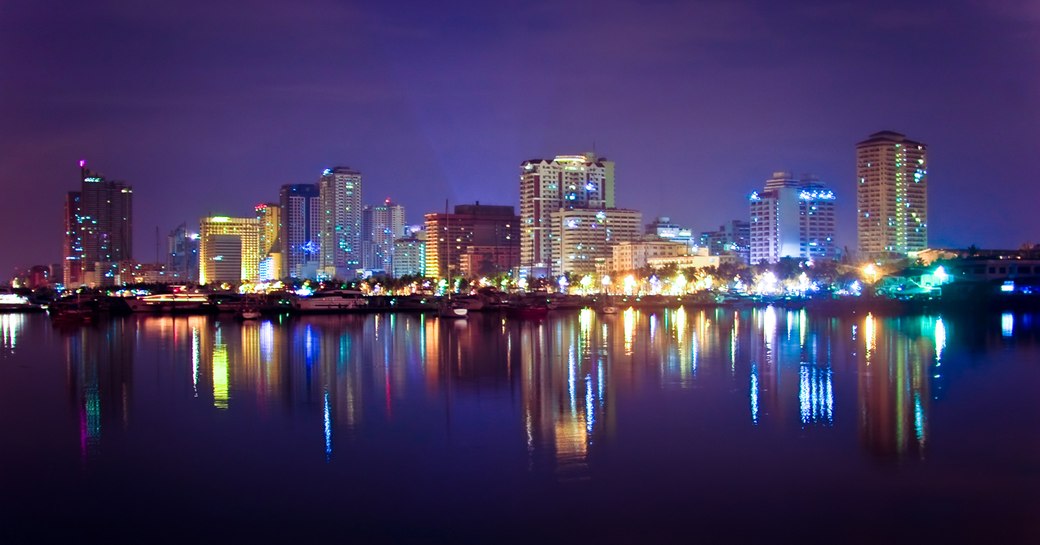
point(449, 237)
point(791, 218)
point(340, 239)
point(381, 226)
point(182, 257)
point(567, 181)
point(409, 257)
point(301, 224)
point(584, 238)
point(269, 217)
point(891, 196)
point(731, 238)
point(630, 256)
point(229, 249)
point(98, 229)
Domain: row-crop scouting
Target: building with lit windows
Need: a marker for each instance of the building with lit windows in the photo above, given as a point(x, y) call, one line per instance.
point(340, 235)
point(633, 255)
point(791, 218)
point(584, 238)
point(409, 257)
point(182, 258)
point(269, 216)
point(891, 196)
point(98, 230)
point(665, 229)
point(229, 249)
point(381, 225)
point(473, 229)
point(301, 223)
point(567, 181)
point(731, 238)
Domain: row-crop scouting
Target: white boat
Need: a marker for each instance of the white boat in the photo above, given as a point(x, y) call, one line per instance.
point(451, 310)
point(332, 301)
point(170, 302)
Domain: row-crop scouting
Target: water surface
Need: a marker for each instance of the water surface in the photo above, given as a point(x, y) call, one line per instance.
point(678, 425)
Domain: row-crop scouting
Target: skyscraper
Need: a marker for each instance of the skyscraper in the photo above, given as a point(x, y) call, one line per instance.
point(229, 249)
point(98, 235)
point(791, 218)
point(340, 235)
point(568, 181)
point(301, 223)
point(584, 238)
point(182, 260)
point(381, 225)
point(891, 196)
point(269, 216)
point(481, 239)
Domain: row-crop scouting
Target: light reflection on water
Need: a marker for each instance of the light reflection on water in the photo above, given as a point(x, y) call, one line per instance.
point(574, 399)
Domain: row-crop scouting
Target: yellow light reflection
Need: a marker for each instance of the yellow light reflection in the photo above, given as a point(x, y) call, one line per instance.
point(220, 375)
point(629, 323)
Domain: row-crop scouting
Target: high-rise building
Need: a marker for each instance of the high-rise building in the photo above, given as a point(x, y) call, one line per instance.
point(229, 249)
point(381, 225)
point(891, 196)
point(340, 191)
point(567, 181)
point(485, 234)
point(98, 234)
point(182, 259)
point(583, 239)
point(301, 223)
point(791, 218)
point(731, 238)
point(269, 216)
point(409, 257)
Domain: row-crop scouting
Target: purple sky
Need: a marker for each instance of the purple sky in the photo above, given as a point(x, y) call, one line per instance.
point(205, 107)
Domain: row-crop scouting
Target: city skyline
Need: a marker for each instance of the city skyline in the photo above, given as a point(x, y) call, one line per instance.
point(739, 90)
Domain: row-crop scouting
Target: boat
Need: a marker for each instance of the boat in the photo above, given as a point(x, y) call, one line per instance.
point(607, 306)
point(73, 310)
point(180, 303)
point(13, 302)
point(528, 309)
point(249, 314)
point(449, 308)
point(332, 301)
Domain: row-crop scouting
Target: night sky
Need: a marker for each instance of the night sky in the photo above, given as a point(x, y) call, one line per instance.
point(211, 106)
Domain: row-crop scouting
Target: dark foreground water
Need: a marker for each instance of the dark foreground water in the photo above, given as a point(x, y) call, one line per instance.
point(763, 426)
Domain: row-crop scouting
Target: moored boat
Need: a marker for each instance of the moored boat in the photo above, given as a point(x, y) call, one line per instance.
point(332, 301)
point(170, 303)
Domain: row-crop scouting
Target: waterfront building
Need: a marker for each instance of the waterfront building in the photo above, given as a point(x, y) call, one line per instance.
point(98, 229)
point(301, 223)
point(695, 261)
point(633, 255)
point(381, 225)
point(731, 238)
point(476, 230)
point(182, 258)
point(269, 216)
point(340, 238)
point(409, 257)
point(567, 181)
point(664, 228)
point(891, 196)
point(229, 249)
point(791, 218)
point(584, 238)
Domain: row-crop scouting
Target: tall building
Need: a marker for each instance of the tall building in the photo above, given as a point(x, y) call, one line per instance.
point(269, 216)
point(583, 238)
point(791, 218)
point(567, 181)
point(731, 238)
point(381, 225)
point(483, 237)
point(301, 223)
point(409, 257)
point(340, 191)
point(182, 258)
point(891, 196)
point(98, 229)
point(229, 249)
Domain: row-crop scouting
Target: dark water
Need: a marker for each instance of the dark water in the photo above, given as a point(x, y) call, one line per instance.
point(679, 426)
